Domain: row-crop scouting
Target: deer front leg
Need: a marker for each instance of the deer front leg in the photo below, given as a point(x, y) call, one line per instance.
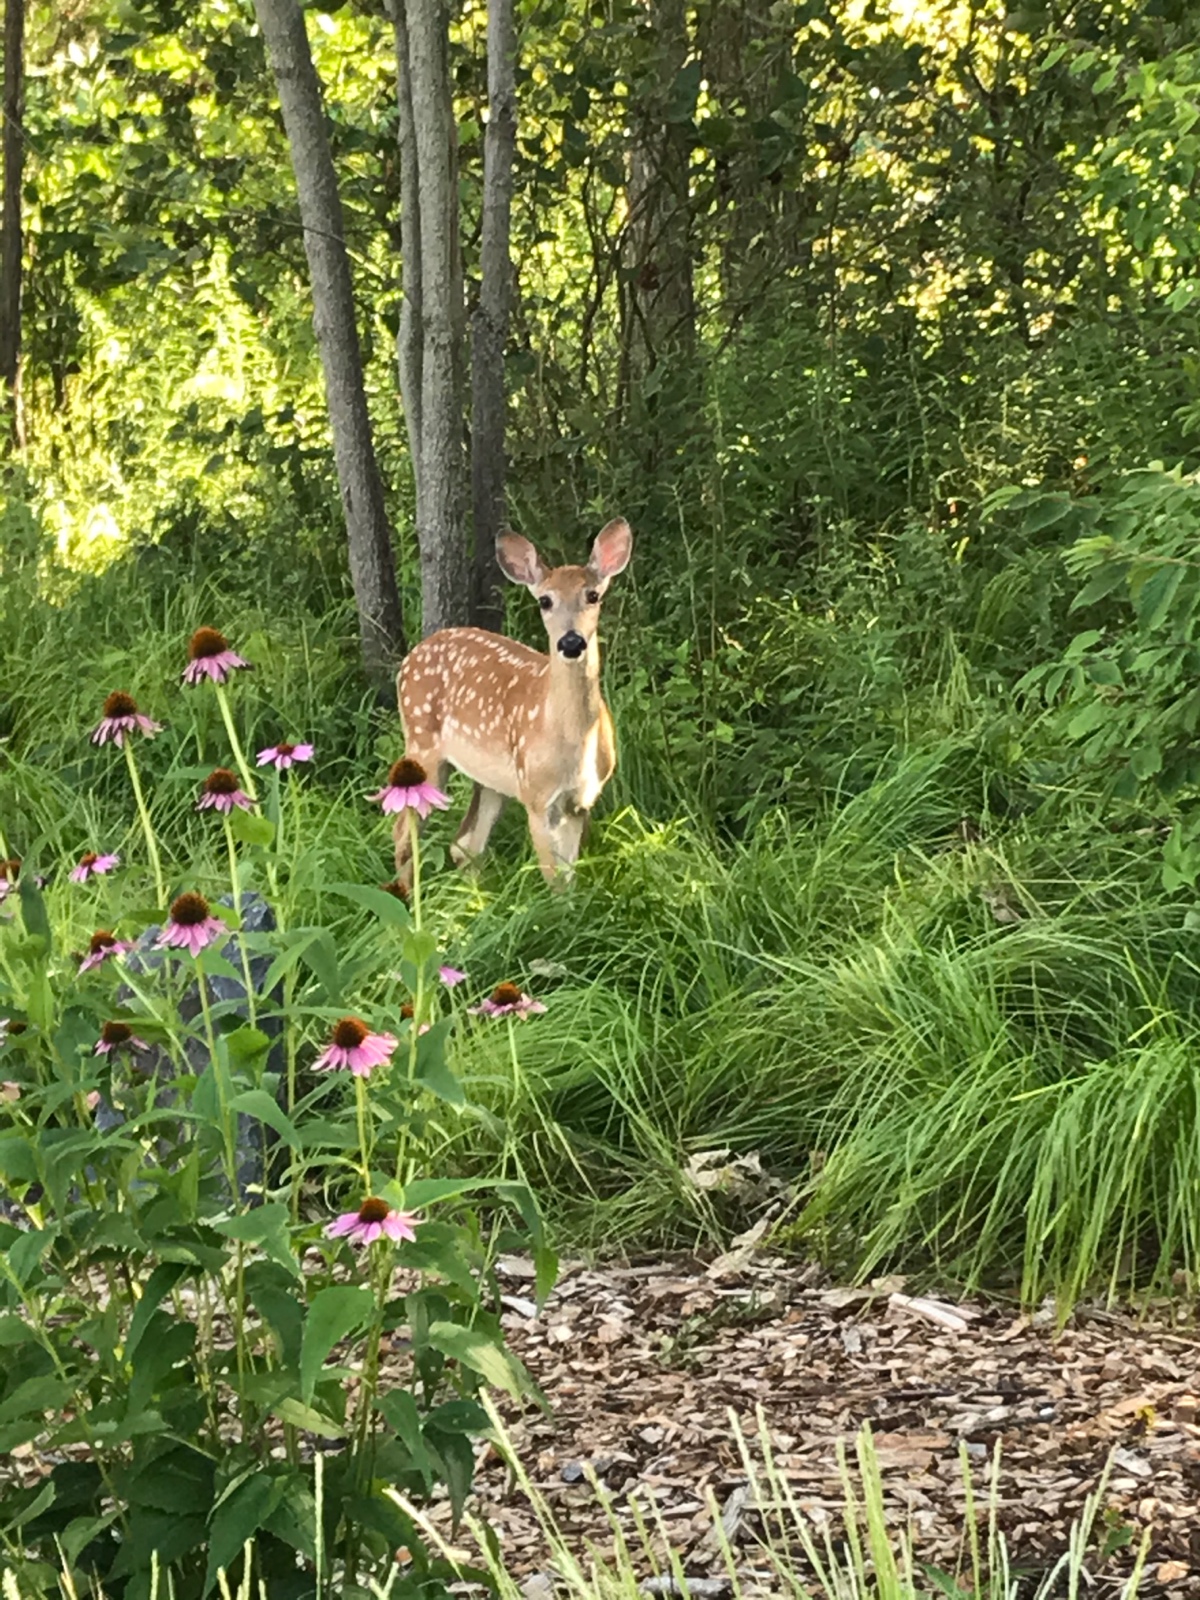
point(557, 835)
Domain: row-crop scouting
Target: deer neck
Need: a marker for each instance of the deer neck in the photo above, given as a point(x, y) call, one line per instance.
point(573, 699)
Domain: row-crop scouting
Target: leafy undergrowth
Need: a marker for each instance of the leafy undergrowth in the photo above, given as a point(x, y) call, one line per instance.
point(944, 1001)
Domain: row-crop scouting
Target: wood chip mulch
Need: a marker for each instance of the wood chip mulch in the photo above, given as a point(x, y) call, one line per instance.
point(642, 1365)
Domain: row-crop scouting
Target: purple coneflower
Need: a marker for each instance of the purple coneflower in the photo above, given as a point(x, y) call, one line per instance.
point(506, 1000)
point(408, 789)
point(209, 656)
point(374, 1219)
point(93, 866)
point(191, 925)
point(118, 1036)
point(101, 946)
point(121, 716)
point(220, 792)
point(282, 756)
point(353, 1045)
point(451, 976)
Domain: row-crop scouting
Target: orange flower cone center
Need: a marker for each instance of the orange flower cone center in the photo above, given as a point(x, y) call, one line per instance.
point(206, 642)
point(406, 774)
point(350, 1033)
point(373, 1210)
point(506, 994)
point(120, 704)
point(190, 910)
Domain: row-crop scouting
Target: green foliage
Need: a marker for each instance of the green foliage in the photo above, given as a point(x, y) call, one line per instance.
point(1124, 690)
point(895, 882)
point(186, 1334)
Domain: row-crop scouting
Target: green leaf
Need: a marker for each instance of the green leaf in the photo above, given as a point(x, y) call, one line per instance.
point(33, 910)
point(1146, 762)
point(15, 1330)
point(1153, 598)
point(158, 1285)
point(179, 1479)
point(294, 1519)
point(295, 1412)
point(483, 1355)
point(1101, 584)
point(250, 828)
point(400, 1412)
point(1093, 715)
point(25, 1253)
point(294, 947)
point(265, 1225)
point(36, 1395)
point(270, 1292)
point(387, 907)
point(258, 1103)
point(456, 1457)
point(17, 1161)
point(320, 957)
point(1045, 511)
point(419, 947)
point(422, 1192)
point(334, 1314)
point(431, 1070)
point(236, 1518)
point(246, 1044)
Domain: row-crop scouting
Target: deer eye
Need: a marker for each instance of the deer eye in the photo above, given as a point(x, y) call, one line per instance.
point(592, 597)
point(546, 602)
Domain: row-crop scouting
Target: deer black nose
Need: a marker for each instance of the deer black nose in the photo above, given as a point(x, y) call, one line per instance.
point(572, 645)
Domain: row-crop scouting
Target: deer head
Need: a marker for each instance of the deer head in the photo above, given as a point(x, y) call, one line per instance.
point(569, 597)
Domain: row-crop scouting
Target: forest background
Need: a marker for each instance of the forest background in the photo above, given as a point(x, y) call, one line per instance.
point(879, 324)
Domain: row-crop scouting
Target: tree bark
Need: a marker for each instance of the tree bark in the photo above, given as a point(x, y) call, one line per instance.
point(441, 463)
point(368, 533)
point(660, 314)
point(409, 342)
point(10, 223)
point(489, 326)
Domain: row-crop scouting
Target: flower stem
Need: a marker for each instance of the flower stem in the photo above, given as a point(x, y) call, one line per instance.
point(234, 741)
point(510, 1143)
point(418, 1016)
point(414, 841)
point(229, 1139)
point(364, 1149)
point(144, 814)
point(211, 1039)
point(237, 906)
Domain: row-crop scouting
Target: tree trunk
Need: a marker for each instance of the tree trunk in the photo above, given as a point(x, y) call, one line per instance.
point(10, 223)
point(369, 535)
point(660, 315)
point(409, 342)
point(440, 465)
point(489, 328)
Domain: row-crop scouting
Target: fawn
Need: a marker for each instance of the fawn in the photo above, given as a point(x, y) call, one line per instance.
point(521, 724)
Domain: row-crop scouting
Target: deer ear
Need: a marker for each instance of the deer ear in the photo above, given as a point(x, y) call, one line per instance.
point(612, 549)
point(519, 561)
